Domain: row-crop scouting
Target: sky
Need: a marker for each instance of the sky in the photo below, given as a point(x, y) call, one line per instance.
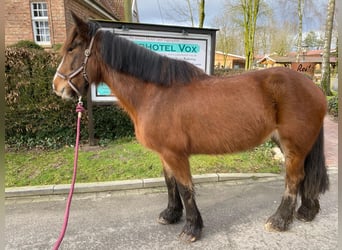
point(161, 11)
point(155, 12)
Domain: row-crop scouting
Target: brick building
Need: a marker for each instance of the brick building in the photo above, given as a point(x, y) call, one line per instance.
point(46, 22)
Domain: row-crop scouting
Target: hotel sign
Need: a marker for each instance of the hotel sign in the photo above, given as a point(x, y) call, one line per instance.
point(193, 45)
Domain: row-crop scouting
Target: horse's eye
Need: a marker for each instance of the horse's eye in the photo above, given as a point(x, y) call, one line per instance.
point(70, 49)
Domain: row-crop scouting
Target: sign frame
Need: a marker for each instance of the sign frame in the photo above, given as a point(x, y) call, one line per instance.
point(205, 38)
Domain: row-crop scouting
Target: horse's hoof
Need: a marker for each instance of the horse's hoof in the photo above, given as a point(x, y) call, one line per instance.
point(308, 211)
point(163, 221)
point(305, 217)
point(189, 238)
point(270, 228)
point(276, 224)
point(301, 217)
point(169, 216)
point(191, 232)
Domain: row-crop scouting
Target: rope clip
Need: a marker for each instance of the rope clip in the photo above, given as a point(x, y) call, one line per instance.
point(80, 100)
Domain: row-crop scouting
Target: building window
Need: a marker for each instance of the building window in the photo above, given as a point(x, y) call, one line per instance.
point(40, 23)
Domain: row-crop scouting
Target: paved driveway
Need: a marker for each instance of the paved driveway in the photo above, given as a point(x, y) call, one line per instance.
point(233, 212)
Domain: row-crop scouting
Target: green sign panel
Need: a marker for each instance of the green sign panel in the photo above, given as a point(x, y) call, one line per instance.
point(169, 47)
point(103, 90)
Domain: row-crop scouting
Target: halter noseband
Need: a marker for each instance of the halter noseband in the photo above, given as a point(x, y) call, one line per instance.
point(68, 77)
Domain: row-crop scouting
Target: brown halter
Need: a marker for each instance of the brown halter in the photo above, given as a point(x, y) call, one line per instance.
point(68, 77)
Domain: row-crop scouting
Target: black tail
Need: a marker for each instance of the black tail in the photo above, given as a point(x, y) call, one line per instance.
point(316, 179)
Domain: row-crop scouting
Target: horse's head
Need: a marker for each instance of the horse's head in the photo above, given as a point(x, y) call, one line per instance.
point(73, 74)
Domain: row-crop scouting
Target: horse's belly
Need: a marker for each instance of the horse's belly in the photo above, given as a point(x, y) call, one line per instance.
point(223, 138)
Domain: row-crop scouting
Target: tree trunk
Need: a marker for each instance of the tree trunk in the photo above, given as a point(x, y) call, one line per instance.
point(325, 82)
point(128, 10)
point(201, 13)
point(190, 13)
point(251, 11)
point(300, 28)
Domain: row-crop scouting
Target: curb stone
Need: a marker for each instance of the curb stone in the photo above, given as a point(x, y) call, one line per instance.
point(135, 184)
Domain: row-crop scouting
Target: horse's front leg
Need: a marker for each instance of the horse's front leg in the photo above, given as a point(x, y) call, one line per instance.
point(174, 210)
point(180, 169)
point(194, 223)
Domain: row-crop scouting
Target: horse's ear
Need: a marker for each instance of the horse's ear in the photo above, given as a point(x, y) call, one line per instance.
point(81, 25)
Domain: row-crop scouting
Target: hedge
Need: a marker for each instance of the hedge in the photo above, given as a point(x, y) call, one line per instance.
point(36, 117)
point(333, 106)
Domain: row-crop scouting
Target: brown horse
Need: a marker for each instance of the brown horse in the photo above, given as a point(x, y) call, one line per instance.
point(178, 110)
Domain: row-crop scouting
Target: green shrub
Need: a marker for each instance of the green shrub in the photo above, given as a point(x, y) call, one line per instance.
point(228, 72)
point(333, 106)
point(36, 117)
point(111, 122)
point(27, 44)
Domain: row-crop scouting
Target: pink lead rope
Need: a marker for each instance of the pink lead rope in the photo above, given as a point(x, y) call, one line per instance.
point(79, 110)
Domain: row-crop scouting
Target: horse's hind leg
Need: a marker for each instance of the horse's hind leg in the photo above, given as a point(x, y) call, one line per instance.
point(316, 181)
point(282, 218)
point(180, 169)
point(309, 206)
point(308, 209)
point(174, 210)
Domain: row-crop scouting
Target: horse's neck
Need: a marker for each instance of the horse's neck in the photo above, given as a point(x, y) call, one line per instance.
point(130, 91)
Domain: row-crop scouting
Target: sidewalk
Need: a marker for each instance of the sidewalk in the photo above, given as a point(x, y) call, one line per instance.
point(331, 153)
point(132, 184)
point(234, 214)
point(331, 141)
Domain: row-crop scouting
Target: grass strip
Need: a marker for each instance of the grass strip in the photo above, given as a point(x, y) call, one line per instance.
point(121, 160)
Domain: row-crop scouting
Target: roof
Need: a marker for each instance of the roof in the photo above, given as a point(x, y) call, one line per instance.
point(114, 6)
point(231, 55)
point(103, 7)
point(314, 58)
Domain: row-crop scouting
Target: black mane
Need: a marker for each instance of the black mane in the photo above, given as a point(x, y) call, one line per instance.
point(127, 57)
point(93, 27)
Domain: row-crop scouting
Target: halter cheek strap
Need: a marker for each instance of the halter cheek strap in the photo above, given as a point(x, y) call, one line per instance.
point(82, 68)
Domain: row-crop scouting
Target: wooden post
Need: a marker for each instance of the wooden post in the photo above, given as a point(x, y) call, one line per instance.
point(90, 119)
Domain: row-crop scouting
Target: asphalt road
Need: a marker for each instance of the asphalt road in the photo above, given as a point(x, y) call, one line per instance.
point(233, 213)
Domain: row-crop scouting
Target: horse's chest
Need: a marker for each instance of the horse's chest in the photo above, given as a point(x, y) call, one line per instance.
point(145, 134)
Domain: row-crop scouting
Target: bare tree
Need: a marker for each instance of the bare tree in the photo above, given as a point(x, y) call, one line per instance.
point(325, 83)
point(190, 13)
point(281, 39)
point(201, 13)
point(265, 30)
point(228, 37)
point(186, 10)
point(300, 14)
point(300, 10)
point(249, 11)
